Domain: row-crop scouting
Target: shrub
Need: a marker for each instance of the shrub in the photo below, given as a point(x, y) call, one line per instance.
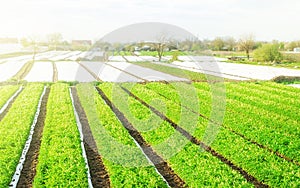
point(268, 53)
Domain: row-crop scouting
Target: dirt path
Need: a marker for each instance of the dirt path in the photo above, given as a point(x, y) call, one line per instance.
point(195, 141)
point(24, 70)
point(161, 165)
point(126, 72)
point(29, 168)
point(100, 177)
point(55, 73)
point(89, 71)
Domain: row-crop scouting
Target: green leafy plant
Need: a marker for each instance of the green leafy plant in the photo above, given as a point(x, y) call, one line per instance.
point(60, 160)
point(14, 130)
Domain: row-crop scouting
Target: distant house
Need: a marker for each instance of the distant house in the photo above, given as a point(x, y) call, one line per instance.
point(82, 42)
point(9, 41)
point(297, 50)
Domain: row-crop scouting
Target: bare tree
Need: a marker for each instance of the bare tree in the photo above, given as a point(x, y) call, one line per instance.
point(54, 39)
point(160, 45)
point(230, 43)
point(246, 43)
point(31, 42)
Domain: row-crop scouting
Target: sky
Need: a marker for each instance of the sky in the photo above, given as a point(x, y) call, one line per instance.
point(92, 19)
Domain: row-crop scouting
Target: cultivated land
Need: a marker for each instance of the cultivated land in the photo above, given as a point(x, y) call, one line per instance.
point(143, 124)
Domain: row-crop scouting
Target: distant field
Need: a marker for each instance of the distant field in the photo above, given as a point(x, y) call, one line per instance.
point(144, 124)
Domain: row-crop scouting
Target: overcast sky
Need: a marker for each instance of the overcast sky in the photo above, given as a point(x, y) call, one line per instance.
point(91, 19)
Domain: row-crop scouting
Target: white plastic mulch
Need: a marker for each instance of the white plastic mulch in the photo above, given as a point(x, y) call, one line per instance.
point(10, 68)
point(109, 74)
point(145, 73)
point(235, 71)
point(72, 71)
point(295, 85)
point(116, 58)
point(40, 72)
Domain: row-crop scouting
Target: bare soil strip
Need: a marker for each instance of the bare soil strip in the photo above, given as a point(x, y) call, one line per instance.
point(125, 59)
point(165, 64)
point(161, 165)
point(144, 80)
point(55, 73)
point(194, 140)
point(99, 175)
point(29, 167)
point(6, 107)
point(89, 71)
point(237, 133)
point(24, 70)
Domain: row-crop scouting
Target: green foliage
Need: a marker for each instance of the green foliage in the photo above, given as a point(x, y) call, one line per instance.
point(124, 161)
point(60, 161)
point(268, 53)
point(174, 56)
point(6, 92)
point(250, 116)
point(218, 44)
point(194, 166)
point(14, 130)
point(259, 111)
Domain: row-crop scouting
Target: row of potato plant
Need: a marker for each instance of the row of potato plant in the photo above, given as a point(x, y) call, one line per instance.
point(60, 162)
point(15, 128)
point(257, 161)
point(193, 165)
point(124, 161)
point(6, 92)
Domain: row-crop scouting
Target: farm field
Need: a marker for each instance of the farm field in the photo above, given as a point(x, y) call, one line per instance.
point(113, 135)
point(145, 74)
point(40, 72)
point(72, 71)
point(238, 70)
point(10, 69)
point(65, 67)
point(69, 123)
point(210, 65)
point(108, 73)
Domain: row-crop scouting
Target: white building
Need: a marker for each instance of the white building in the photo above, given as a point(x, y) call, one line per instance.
point(297, 50)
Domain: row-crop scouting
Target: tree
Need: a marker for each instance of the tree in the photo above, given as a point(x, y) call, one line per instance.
point(218, 44)
point(230, 43)
point(268, 53)
point(246, 43)
point(160, 45)
point(31, 42)
point(294, 44)
point(54, 40)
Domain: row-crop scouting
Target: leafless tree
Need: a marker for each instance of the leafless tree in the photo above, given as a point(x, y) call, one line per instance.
point(31, 42)
point(246, 43)
point(54, 39)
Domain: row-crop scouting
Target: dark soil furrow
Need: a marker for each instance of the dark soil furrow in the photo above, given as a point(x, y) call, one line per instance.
point(29, 167)
point(161, 165)
point(237, 133)
point(194, 140)
point(99, 175)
